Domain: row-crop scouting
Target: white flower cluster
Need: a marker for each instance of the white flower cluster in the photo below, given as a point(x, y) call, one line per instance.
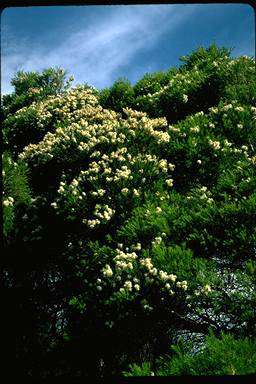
point(61, 106)
point(169, 182)
point(95, 154)
point(100, 192)
point(32, 91)
point(124, 261)
point(227, 107)
point(185, 98)
point(81, 131)
point(239, 109)
point(136, 192)
point(182, 284)
point(171, 166)
point(180, 80)
point(174, 129)
point(157, 240)
point(140, 121)
point(54, 205)
point(123, 266)
point(214, 144)
point(195, 129)
point(106, 169)
point(8, 201)
point(146, 263)
point(127, 286)
point(107, 271)
point(163, 276)
point(227, 143)
point(163, 165)
point(203, 194)
point(91, 223)
point(126, 265)
point(214, 110)
point(232, 108)
point(122, 173)
point(161, 137)
point(107, 213)
point(120, 151)
point(124, 191)
point(136, 247)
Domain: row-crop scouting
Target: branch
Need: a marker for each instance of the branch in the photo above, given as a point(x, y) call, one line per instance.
point(195, 326)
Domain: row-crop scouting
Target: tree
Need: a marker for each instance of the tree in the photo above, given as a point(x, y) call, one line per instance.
point(220, 356)
point(35, 86)
point(142, 223)
point(33, 93)
point(117, 97)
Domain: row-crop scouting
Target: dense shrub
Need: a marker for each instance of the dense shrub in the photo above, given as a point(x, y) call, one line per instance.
point(142, 222)
point(117, 97)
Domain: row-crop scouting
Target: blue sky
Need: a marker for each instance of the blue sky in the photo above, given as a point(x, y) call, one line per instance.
point(99, 44)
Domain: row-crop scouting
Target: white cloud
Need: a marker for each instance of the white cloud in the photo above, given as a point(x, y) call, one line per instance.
point(94, 52)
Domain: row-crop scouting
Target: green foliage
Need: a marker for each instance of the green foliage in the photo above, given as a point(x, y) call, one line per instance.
point(117, 97)
point(30, 88)
point(152, 82)
point(242, 87)
point(20, 132)
point(202, 57)
point(142, 224)
point(34, 86)
point(220, 356)
point(8, 218)
point(136, 370)
point(15, 189)
point(16, 179)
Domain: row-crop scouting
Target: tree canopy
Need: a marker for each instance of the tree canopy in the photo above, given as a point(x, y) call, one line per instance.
point(129, 225)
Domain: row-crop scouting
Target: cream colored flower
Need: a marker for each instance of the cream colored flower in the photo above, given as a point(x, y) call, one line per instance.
point(128, 285)
point(185, 98)
point(195, 129)
point(172, 278)
point(107, 271)
point(169, 182)
point(163, 275)
point(137, 287)
point(171, 166)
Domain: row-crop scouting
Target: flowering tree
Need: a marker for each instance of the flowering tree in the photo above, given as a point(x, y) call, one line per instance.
point(29, 89)
point(34, 86)
point(142, 223)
